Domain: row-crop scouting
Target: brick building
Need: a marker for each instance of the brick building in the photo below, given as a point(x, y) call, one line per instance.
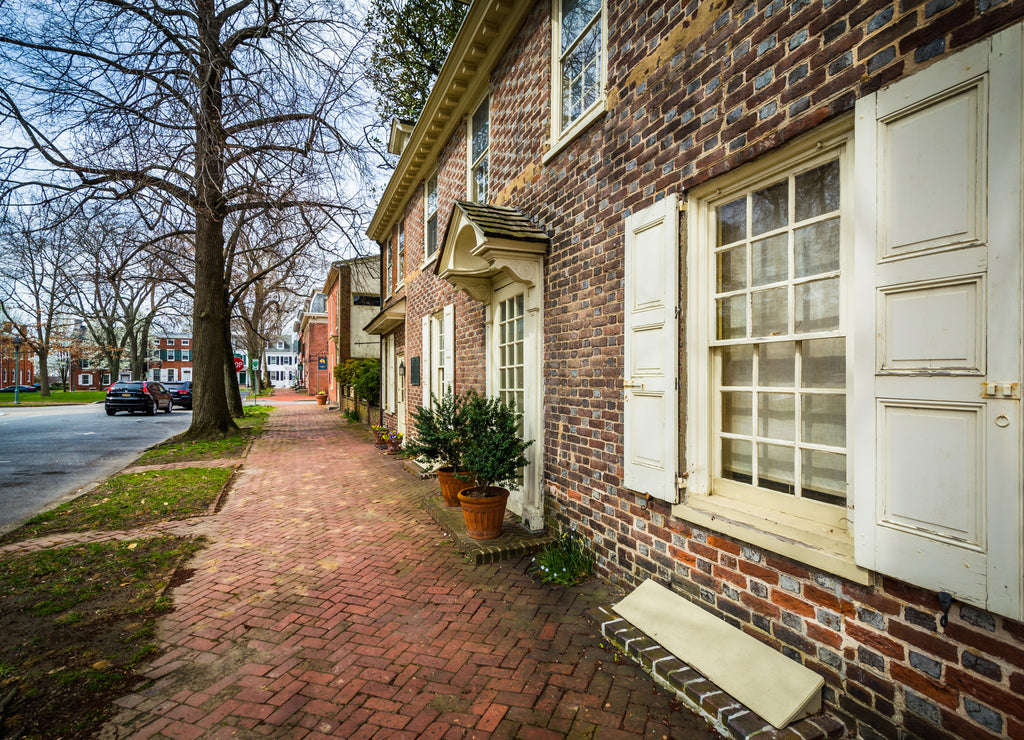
point(313, 349)
point(753, 272)
point(352, 288)
point(21, 372)
point(171, 358)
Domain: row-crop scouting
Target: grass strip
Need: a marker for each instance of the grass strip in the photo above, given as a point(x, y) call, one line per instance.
point(77, 621)
point(250, 427)
point(131, 500)
point(35, 399)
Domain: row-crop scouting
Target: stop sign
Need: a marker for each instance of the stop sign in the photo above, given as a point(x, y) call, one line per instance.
point(239, 365)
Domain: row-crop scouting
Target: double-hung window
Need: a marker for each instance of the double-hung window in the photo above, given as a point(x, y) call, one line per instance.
point(401, 252)
point(387, 267)
point(478, 152)
point(579, 62)
point(430, 209)
point(768, 374)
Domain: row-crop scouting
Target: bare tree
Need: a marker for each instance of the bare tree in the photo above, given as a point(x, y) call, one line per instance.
point(36, 244)
point(116, 286)
point(196, 112)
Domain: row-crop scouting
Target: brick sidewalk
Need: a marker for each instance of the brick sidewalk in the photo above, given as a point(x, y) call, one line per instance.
point(328, 604)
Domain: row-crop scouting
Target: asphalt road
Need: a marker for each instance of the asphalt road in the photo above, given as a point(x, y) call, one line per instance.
point(49, 454)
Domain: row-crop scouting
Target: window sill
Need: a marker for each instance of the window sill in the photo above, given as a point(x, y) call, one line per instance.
point(578, 126)
point(802, 540)
point(430, 260)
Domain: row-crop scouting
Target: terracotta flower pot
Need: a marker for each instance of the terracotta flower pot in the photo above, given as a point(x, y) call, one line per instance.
point(451, 484)
point(321, 400)
point(484, 514)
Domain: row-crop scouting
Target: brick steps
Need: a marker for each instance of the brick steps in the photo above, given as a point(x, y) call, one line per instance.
point(702, 696)
point(514, 542)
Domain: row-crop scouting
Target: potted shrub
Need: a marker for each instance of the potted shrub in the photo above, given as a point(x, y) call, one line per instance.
point(493, 452)
point(321, 398)
point(440, 431)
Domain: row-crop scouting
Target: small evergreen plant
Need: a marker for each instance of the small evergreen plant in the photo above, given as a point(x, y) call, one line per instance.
point(567, 562)
point(440, 431)
point(494, 449)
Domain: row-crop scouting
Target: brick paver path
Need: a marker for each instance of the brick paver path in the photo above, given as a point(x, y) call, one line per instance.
point(328, 604)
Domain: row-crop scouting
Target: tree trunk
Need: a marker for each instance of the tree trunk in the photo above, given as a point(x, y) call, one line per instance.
point(234, 395)
point(211, 416)
point(44, 373)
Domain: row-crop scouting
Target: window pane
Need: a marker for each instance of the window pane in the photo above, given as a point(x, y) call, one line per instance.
point(732, 317)
point(775, 468)
point(580, 78)
point(824, 363)
point(431, 195)
point(480, 181)
point(769, 312)
point(737, 413)
point(776, 364)
point(738, 365)
point(817, 305)
point(817, 248)
point(431, 235)
point(776, 416)
point(736, 460)
point(732, 222)
point(770, 208)
point(480, 130)
point(823, 420)
point(770, 260)
point(824, 476)
point(576, 15)
point(732, 269)
point(817, 191)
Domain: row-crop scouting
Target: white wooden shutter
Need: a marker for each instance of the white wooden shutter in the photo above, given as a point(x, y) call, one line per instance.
point(426, 366)
point(937, 453)
point(391, 381)
point(448, 320)
point(651, 350)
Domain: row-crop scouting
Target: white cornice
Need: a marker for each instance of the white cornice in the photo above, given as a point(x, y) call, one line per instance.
point(485, 34)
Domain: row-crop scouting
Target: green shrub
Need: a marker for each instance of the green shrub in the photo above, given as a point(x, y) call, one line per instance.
point(567, 562)
point(493, 451)
point(440, 431)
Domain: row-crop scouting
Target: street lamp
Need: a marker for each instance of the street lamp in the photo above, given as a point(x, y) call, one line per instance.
point(17, 381)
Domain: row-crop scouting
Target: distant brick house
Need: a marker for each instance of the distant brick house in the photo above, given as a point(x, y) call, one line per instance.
point(21, 372)
point(171, 358)
point(352, 288)
point(313, 348)
point(752, 271)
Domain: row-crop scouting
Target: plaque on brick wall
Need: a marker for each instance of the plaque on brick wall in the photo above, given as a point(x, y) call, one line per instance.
point(414, 371)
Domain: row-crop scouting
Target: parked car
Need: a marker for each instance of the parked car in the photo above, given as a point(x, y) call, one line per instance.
point(137, 395)
point(181, 393)
point(21, 389)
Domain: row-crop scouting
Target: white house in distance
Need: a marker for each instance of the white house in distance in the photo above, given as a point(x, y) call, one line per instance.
point(282, 361)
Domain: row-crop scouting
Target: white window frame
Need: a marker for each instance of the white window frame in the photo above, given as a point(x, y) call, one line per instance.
point(430, 252)
point(386, 282)
point(561, 136)
point(471, 163)
point(84, 379)
point(184, 342)
point(808, 531)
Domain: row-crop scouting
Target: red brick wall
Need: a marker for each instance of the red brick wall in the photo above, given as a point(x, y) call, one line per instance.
point(315, 344)
point(695, 91)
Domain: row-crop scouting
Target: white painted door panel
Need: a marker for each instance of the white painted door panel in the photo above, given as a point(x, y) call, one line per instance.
point(937, 466)
point(651, 349)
